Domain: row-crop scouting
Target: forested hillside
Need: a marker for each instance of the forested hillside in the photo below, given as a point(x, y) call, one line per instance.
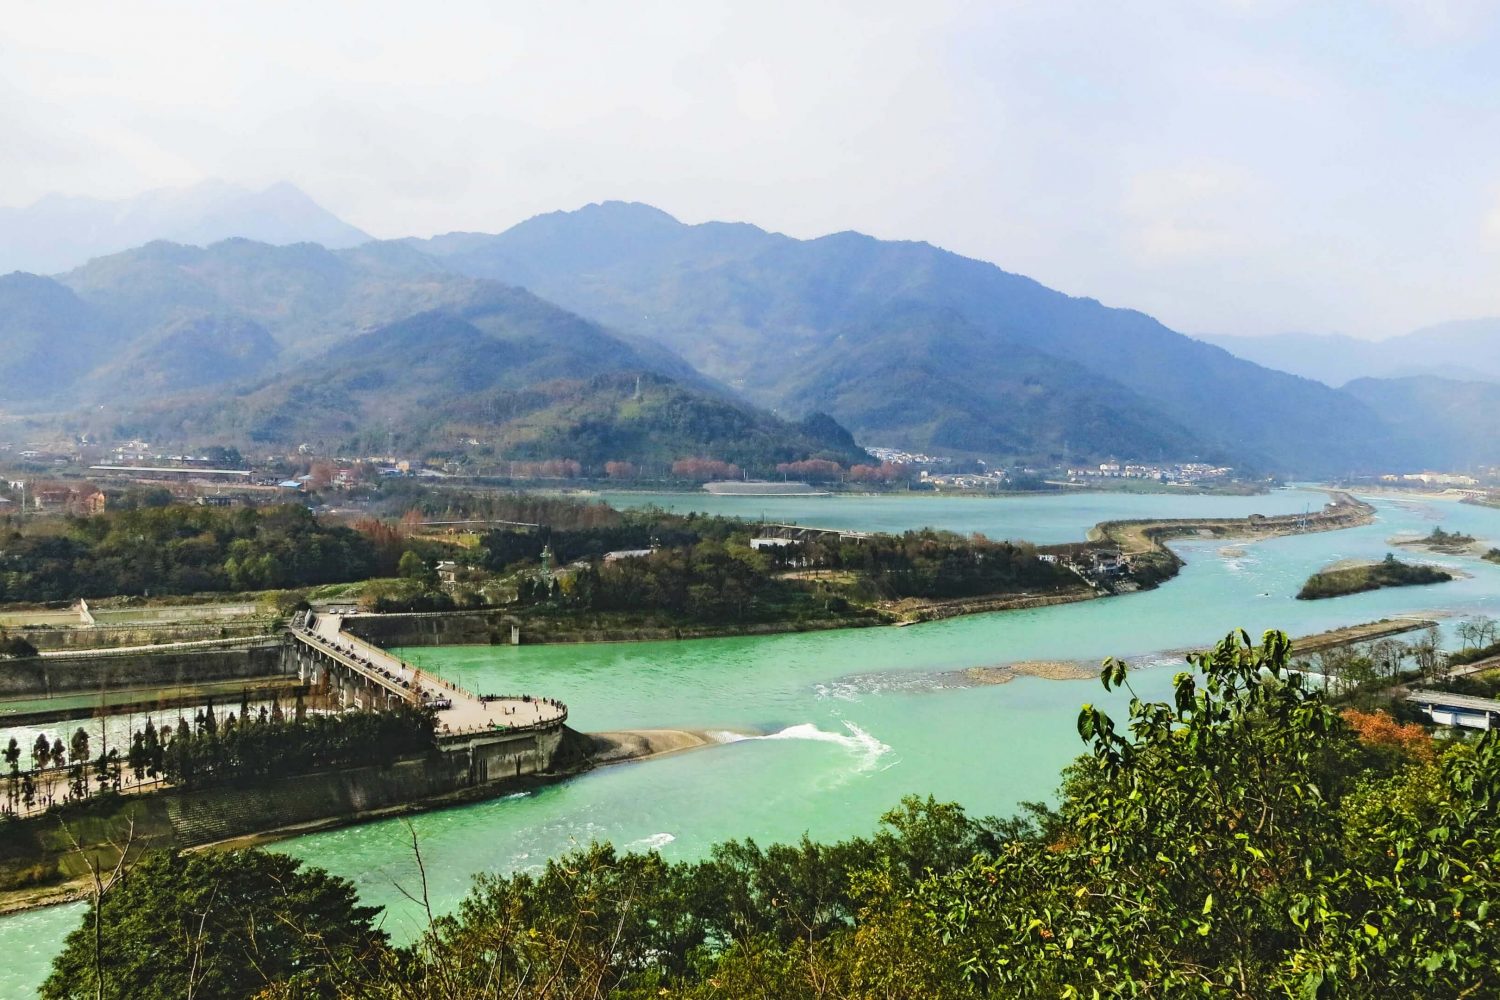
point(374, 349)
point(1457, 423)
point(789, 321)
point(506, 377)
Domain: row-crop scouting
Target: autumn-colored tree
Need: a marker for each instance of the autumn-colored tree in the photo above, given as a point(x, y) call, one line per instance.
point(1379, 729)
point(386, 539)
point(552, 468)
point(321, 475)
point(620, 470)
point(703, 469)
point(885, 472)
point(814, 470)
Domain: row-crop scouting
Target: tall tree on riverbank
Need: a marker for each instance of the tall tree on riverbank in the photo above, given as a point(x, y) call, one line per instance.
point(12, 756)
point(218, 927)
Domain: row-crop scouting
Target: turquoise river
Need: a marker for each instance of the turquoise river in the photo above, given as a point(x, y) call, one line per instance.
point(822, 732)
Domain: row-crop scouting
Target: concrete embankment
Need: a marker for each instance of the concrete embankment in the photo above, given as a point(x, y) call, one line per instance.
point(1148, 535)
point(52, 637)
point(643, 744)
point(39, 863)
point(48, 676)
point(494, 627)
point(1368, 632)
point(913, 611)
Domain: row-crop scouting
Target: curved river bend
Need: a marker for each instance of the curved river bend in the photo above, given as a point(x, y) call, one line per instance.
point(850, 721)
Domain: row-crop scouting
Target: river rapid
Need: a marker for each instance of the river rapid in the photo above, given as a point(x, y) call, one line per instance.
point(822, 732)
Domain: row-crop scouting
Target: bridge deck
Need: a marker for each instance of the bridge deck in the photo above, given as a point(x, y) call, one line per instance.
point(1459, 702)
point(465, 712)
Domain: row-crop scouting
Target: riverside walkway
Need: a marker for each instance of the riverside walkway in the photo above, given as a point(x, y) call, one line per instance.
point(459, 712)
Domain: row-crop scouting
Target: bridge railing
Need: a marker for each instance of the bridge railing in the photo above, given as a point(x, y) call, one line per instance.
point(322, 645)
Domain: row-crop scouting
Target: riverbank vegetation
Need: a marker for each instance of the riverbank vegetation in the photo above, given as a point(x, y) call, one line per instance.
point(209, 749)
point(1389, 572)
point(178, 549)
point(1240, 839)
point(588, 560)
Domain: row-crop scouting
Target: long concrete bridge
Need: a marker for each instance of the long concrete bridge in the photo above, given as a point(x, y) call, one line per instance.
point(360, 674)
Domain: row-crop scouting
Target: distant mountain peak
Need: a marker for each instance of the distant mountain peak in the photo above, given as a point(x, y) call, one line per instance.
point(634, 210)
point(59, 232)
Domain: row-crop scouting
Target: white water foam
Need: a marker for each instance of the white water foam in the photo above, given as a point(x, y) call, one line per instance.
point(655, 842)
point(852, 686)
point(868, 749)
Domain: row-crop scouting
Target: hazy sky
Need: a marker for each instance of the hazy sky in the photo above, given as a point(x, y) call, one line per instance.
point(1238, 167)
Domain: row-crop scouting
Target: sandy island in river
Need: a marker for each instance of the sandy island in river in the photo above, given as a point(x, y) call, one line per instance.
point(1052, 670)
point(621, 745)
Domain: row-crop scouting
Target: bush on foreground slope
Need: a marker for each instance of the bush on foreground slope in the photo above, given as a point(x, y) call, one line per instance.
point(1238, 841)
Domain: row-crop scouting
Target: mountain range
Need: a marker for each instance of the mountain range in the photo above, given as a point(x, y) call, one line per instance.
point(60, 232)
point(1463, 350)
point(919, 346)
point(638, 337)
point(371, 349)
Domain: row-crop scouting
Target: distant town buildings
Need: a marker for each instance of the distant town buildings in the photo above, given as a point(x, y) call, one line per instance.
point(1182, 473)
point(1430, 479)
point(80, 501)
point(898, 457)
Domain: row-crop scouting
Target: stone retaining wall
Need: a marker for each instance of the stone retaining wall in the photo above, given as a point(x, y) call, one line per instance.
point(42, 677)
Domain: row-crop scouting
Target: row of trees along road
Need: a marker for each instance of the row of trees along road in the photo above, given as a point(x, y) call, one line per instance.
point(1241, 839)
point(209, 750)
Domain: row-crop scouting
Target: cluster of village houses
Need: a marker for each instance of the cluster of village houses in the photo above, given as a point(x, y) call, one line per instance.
point(1169, 472)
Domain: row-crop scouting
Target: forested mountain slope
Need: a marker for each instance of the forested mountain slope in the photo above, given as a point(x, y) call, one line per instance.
point(59, 232)
point(503, 377)
point(1455, 424)
point(773, 315)
point(1463, 350)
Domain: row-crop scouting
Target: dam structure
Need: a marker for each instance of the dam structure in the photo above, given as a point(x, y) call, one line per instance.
point(503, 736)
point(483, 745)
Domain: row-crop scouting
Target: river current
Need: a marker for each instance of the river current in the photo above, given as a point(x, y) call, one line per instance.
point(822, 732)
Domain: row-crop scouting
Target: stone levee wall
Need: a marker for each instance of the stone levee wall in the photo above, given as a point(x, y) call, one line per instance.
point(37, 850)
point(49, 638)
point(42, 677)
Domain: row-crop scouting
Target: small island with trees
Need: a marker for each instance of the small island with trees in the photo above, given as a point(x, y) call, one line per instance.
point(1389, 572)
point(1453, 543)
